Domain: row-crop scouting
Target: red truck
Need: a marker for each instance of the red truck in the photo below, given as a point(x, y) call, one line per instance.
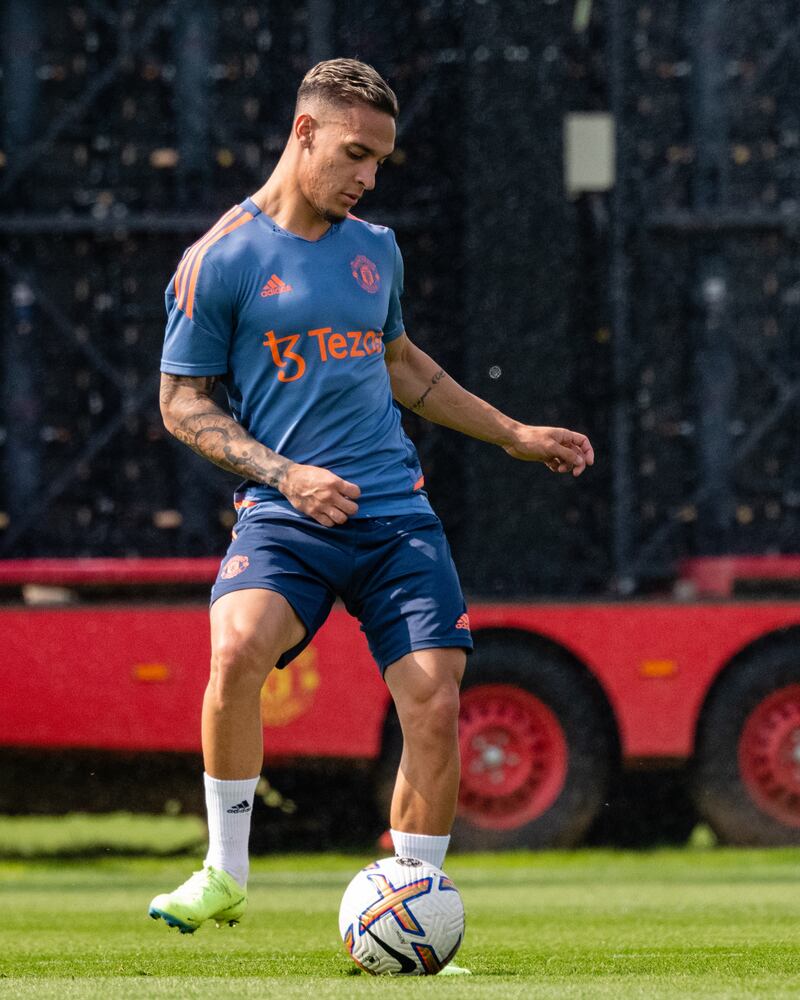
point(560, 698)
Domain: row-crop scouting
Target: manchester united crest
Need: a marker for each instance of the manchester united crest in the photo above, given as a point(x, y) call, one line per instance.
point(234, 566)
point(366, 273)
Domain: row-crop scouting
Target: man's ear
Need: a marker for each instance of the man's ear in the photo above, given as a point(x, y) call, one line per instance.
point(304, 128)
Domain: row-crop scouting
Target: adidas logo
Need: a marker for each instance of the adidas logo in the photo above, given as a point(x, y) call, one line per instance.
point(463, 622)
point(242, 807)
point(274, 287)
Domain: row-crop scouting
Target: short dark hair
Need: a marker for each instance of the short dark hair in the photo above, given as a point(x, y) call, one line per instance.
point(348, 81)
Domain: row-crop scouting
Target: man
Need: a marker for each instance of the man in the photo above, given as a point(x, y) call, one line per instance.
point(294, 304)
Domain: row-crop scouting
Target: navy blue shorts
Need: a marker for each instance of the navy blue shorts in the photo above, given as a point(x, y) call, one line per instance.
point(395, 574)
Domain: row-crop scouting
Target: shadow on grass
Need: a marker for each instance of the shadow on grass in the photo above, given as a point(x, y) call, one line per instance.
point(79, 835)
point(80, 805)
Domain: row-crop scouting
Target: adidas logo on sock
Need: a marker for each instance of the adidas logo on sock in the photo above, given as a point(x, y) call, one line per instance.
point(242, 807)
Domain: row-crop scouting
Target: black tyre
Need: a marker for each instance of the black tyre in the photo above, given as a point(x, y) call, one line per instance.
point(746, 775)
point(535, 748)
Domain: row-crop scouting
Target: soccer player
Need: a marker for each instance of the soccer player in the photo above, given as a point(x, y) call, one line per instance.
point(294, 305)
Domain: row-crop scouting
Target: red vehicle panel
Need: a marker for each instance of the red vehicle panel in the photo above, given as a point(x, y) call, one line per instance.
point(133, 678)
point(655, 662)
point(553, 690)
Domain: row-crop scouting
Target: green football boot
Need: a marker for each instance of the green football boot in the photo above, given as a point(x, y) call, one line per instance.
point(210, 894)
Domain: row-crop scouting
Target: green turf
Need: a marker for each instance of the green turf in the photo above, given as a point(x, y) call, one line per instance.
point(691, 923)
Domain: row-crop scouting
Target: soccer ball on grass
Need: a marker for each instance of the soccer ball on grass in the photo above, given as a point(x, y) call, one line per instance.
point(401, 917)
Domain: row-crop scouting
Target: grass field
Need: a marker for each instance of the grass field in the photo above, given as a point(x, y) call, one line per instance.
point(688, 923)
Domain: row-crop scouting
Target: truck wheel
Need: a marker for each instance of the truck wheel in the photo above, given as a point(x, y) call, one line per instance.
point(746, 780)
point(535, 749)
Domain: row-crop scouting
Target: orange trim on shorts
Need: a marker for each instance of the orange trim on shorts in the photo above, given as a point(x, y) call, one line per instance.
point(185, 264)
point(240, 221)
point(419, 483)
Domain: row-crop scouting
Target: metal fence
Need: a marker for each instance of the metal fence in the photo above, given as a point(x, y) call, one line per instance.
point(660, 316)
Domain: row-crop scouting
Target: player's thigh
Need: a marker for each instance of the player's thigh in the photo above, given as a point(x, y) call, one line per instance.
point(424, 685)
point(253, 626)
point(273, 591)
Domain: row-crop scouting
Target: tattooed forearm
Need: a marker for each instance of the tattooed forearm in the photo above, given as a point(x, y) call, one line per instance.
point(217, 437)
point(171, 385)
point(420, 403)
point(195, 420)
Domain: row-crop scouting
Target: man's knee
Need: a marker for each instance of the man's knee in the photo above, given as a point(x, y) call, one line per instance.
point(240, 660)
point(250, 630)
point(424, 685)
point(440, 712)
point(430, 711)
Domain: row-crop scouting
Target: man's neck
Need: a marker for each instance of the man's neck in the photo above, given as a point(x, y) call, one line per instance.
point(282, 200)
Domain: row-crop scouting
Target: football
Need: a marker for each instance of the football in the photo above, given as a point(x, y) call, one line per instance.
point(401, 917)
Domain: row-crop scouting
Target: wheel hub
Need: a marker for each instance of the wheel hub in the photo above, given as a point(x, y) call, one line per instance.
point(769, 755)
point(492, 758)
point(513, 753)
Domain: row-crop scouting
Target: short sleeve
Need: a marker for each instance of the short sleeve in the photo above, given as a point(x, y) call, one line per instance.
point(199, 323)
point(394, 318)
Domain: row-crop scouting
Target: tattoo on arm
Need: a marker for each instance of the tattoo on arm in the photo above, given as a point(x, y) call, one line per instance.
point(171, 384)
point(420, 403)
point(196, 420)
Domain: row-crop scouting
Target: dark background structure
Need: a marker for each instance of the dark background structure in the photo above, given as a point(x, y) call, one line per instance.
point(662, 317)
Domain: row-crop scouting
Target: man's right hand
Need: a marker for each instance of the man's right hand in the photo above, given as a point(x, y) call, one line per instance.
point(320, 494)
point(192, 416)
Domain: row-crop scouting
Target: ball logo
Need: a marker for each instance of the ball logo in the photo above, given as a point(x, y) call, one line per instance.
point(234, 566)
point(366, 273)
point(409, 862)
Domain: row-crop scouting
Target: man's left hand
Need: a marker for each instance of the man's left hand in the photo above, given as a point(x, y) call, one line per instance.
point(559, 449)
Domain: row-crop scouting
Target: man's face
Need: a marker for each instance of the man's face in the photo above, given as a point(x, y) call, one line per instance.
point(347, 145)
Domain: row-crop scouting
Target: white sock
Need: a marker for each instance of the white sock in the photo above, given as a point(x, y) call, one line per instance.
point(420, 845)
point(229, 806)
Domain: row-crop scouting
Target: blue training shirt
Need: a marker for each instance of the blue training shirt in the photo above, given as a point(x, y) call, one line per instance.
point(296, 329)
